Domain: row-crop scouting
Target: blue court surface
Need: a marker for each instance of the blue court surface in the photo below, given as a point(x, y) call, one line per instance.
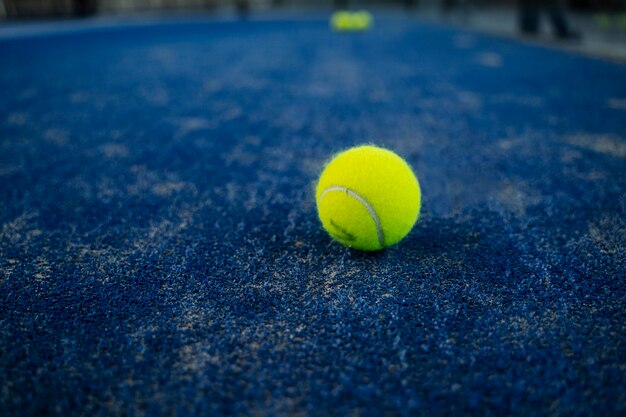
point(161, 254)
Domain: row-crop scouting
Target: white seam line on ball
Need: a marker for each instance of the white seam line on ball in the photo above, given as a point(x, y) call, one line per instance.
point(366, 204)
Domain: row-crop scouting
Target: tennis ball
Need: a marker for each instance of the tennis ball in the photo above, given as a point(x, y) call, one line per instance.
point(368, 198)
point(341, 20)
point(361, 20)
point(344, 20)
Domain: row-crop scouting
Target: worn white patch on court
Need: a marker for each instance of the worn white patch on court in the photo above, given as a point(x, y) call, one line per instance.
point(17, 119)
point(59, 137)
point(190, 124)
point(464, 41)
point(114, 150)
point(606, 144)
point(489, 59)
point(617, 103)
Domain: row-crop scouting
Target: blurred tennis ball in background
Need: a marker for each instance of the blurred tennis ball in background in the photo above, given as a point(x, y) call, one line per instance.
point(341, 20)
point(344, 20)
point(361, 20)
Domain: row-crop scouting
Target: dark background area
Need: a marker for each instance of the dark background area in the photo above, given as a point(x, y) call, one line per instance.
point(51, 8)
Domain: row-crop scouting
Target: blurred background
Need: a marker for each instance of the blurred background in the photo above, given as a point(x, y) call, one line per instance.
point(46, 8)
point(597, 27)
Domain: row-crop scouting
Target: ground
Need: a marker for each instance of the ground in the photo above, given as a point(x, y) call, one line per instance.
point(160, 251)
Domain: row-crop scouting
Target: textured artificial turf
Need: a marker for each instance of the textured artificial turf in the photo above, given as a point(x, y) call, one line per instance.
point(160, 252)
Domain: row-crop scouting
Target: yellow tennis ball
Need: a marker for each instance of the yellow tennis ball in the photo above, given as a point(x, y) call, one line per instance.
point(361, 20)
point(368, 198)
point(341, 20)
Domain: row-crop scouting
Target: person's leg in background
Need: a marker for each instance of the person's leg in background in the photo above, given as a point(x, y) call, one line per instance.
point(243, 8)
point(83, 8)
point(529, 16)
point(561, 27)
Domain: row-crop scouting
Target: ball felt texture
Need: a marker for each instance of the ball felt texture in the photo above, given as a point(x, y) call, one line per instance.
point(368, 198)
